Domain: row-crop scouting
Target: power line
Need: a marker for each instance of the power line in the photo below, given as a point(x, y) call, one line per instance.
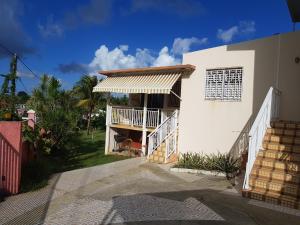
point(23, 85)
point(34, 74)
point(21, 60)
point(6, 49)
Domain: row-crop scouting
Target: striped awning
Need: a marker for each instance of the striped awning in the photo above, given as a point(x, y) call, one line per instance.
point(157, 83)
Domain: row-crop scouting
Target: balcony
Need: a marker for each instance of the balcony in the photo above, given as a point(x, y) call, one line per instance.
point(132, 117)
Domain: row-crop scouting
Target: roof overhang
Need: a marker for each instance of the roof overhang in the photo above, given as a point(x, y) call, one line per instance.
point(151, 80)
point(294, 8)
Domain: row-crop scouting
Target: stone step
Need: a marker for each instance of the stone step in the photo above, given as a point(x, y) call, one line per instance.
point(282, 139)
point(279, 155)
point(289, 166)
point(158, 153)
point(173, 158)
point(275, 174)
point(283, 131)
point(156, 159)
point(285, 124)
point(279, 187)
point(281, 147)
point(271, 197)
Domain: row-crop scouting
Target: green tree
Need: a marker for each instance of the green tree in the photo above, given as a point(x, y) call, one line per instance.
point(56, 116)
point(23, 97)
point(87, 99)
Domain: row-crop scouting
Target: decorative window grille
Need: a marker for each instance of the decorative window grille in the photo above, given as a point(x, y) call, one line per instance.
point(224, 84)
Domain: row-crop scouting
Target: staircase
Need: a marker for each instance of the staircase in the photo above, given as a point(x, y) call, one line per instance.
point(162, 142)
point(275, 176)
point(159, 155)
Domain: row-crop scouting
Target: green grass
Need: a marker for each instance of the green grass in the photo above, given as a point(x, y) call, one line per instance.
point(82, 151)
point(88, 150)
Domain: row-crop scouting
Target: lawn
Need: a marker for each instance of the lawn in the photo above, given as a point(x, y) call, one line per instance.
point(88, 150)
point(82, 151)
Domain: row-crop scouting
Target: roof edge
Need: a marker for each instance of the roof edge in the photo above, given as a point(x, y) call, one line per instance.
point(160, 69)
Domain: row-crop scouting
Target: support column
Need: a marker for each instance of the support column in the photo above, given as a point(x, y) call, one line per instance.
point(144, 139)
point(108, 121)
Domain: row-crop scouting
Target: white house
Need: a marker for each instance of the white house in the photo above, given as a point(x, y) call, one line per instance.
point(223, 99)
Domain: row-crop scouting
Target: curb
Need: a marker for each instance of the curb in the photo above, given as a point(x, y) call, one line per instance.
point(195, 171)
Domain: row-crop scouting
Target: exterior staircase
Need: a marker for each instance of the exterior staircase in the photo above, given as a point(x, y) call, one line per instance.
point(159, 155)
point(162, 142)
point(275, 176)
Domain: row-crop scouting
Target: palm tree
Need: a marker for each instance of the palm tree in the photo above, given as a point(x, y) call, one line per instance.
point(88, 99)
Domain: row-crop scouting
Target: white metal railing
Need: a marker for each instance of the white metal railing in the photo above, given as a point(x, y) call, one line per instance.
point(132, 116)
point(269, 111)
point(164, 131)
point(171, 143)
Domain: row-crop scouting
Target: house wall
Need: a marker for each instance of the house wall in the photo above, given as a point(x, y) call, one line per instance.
point(217, 126)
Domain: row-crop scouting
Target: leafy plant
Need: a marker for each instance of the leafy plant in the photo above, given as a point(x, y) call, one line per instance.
point(57, 118)
point(214, 162)
point(88, 100)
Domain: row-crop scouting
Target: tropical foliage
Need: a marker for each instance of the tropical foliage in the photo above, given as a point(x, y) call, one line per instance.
point(87, 99)
point(214, 162)
point(56, 115)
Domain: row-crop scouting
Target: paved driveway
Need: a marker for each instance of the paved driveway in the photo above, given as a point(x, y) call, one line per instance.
point(135, 192)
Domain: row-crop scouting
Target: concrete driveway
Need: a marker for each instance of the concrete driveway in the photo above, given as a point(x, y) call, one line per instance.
point(135, 192)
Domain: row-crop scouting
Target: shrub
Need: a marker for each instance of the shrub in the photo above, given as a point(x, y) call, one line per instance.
point(214, 162)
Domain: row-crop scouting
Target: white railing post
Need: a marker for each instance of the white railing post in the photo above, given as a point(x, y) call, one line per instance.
point(268, 112)
point(132, 116)
point(157, 118)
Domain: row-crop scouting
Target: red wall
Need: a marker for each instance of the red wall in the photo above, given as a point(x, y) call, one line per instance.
point(10, 156)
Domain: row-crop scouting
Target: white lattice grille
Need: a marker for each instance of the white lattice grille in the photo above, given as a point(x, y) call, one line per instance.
point(224, 84)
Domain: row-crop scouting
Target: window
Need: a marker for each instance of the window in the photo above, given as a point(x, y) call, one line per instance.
point(224, 84)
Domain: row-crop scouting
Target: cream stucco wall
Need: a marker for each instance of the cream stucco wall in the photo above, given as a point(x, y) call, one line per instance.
point(214, 126)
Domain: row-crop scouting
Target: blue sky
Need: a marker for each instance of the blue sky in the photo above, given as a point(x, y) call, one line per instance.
point(69, 38)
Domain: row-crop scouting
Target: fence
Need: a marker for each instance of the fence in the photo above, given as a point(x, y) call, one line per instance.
point(10, 156)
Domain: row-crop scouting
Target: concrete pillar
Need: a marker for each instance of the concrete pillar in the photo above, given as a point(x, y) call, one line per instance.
point(108, 122)
point(144, 137)
point(31, 118)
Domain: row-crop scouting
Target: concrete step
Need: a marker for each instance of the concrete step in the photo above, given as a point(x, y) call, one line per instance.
point(278, 187)
point(283, 131)
point(275, 174)
point(280, 155)
point(285, 124)
point(282, 139)
point(273, 198)
point(173, 158)
point(158, 153)
point(281, 147)
point(156, 159)
point(289, 166)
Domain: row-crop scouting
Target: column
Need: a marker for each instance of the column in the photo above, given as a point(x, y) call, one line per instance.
point(144, 139)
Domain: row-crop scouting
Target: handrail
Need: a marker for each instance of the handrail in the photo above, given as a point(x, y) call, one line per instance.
point(161, 133)
point(269, 111)
point(160, 125)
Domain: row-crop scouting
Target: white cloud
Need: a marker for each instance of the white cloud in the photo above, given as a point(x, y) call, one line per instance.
point(119, 58)
point(183, 45)
point(50, 29)
point(165, 59)
point(244, 28)
point(247, 27)
point(227, 35)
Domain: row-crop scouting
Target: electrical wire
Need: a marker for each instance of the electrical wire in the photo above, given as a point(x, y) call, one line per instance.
point(21, 60)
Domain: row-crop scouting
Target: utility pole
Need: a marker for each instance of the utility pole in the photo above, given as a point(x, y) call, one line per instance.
point(13, 77)
point(8, 89)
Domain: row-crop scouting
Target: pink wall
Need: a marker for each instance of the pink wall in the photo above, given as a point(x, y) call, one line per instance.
point(10, 155)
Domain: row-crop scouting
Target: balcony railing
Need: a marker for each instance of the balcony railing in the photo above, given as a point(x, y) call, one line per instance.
point(133, 116)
